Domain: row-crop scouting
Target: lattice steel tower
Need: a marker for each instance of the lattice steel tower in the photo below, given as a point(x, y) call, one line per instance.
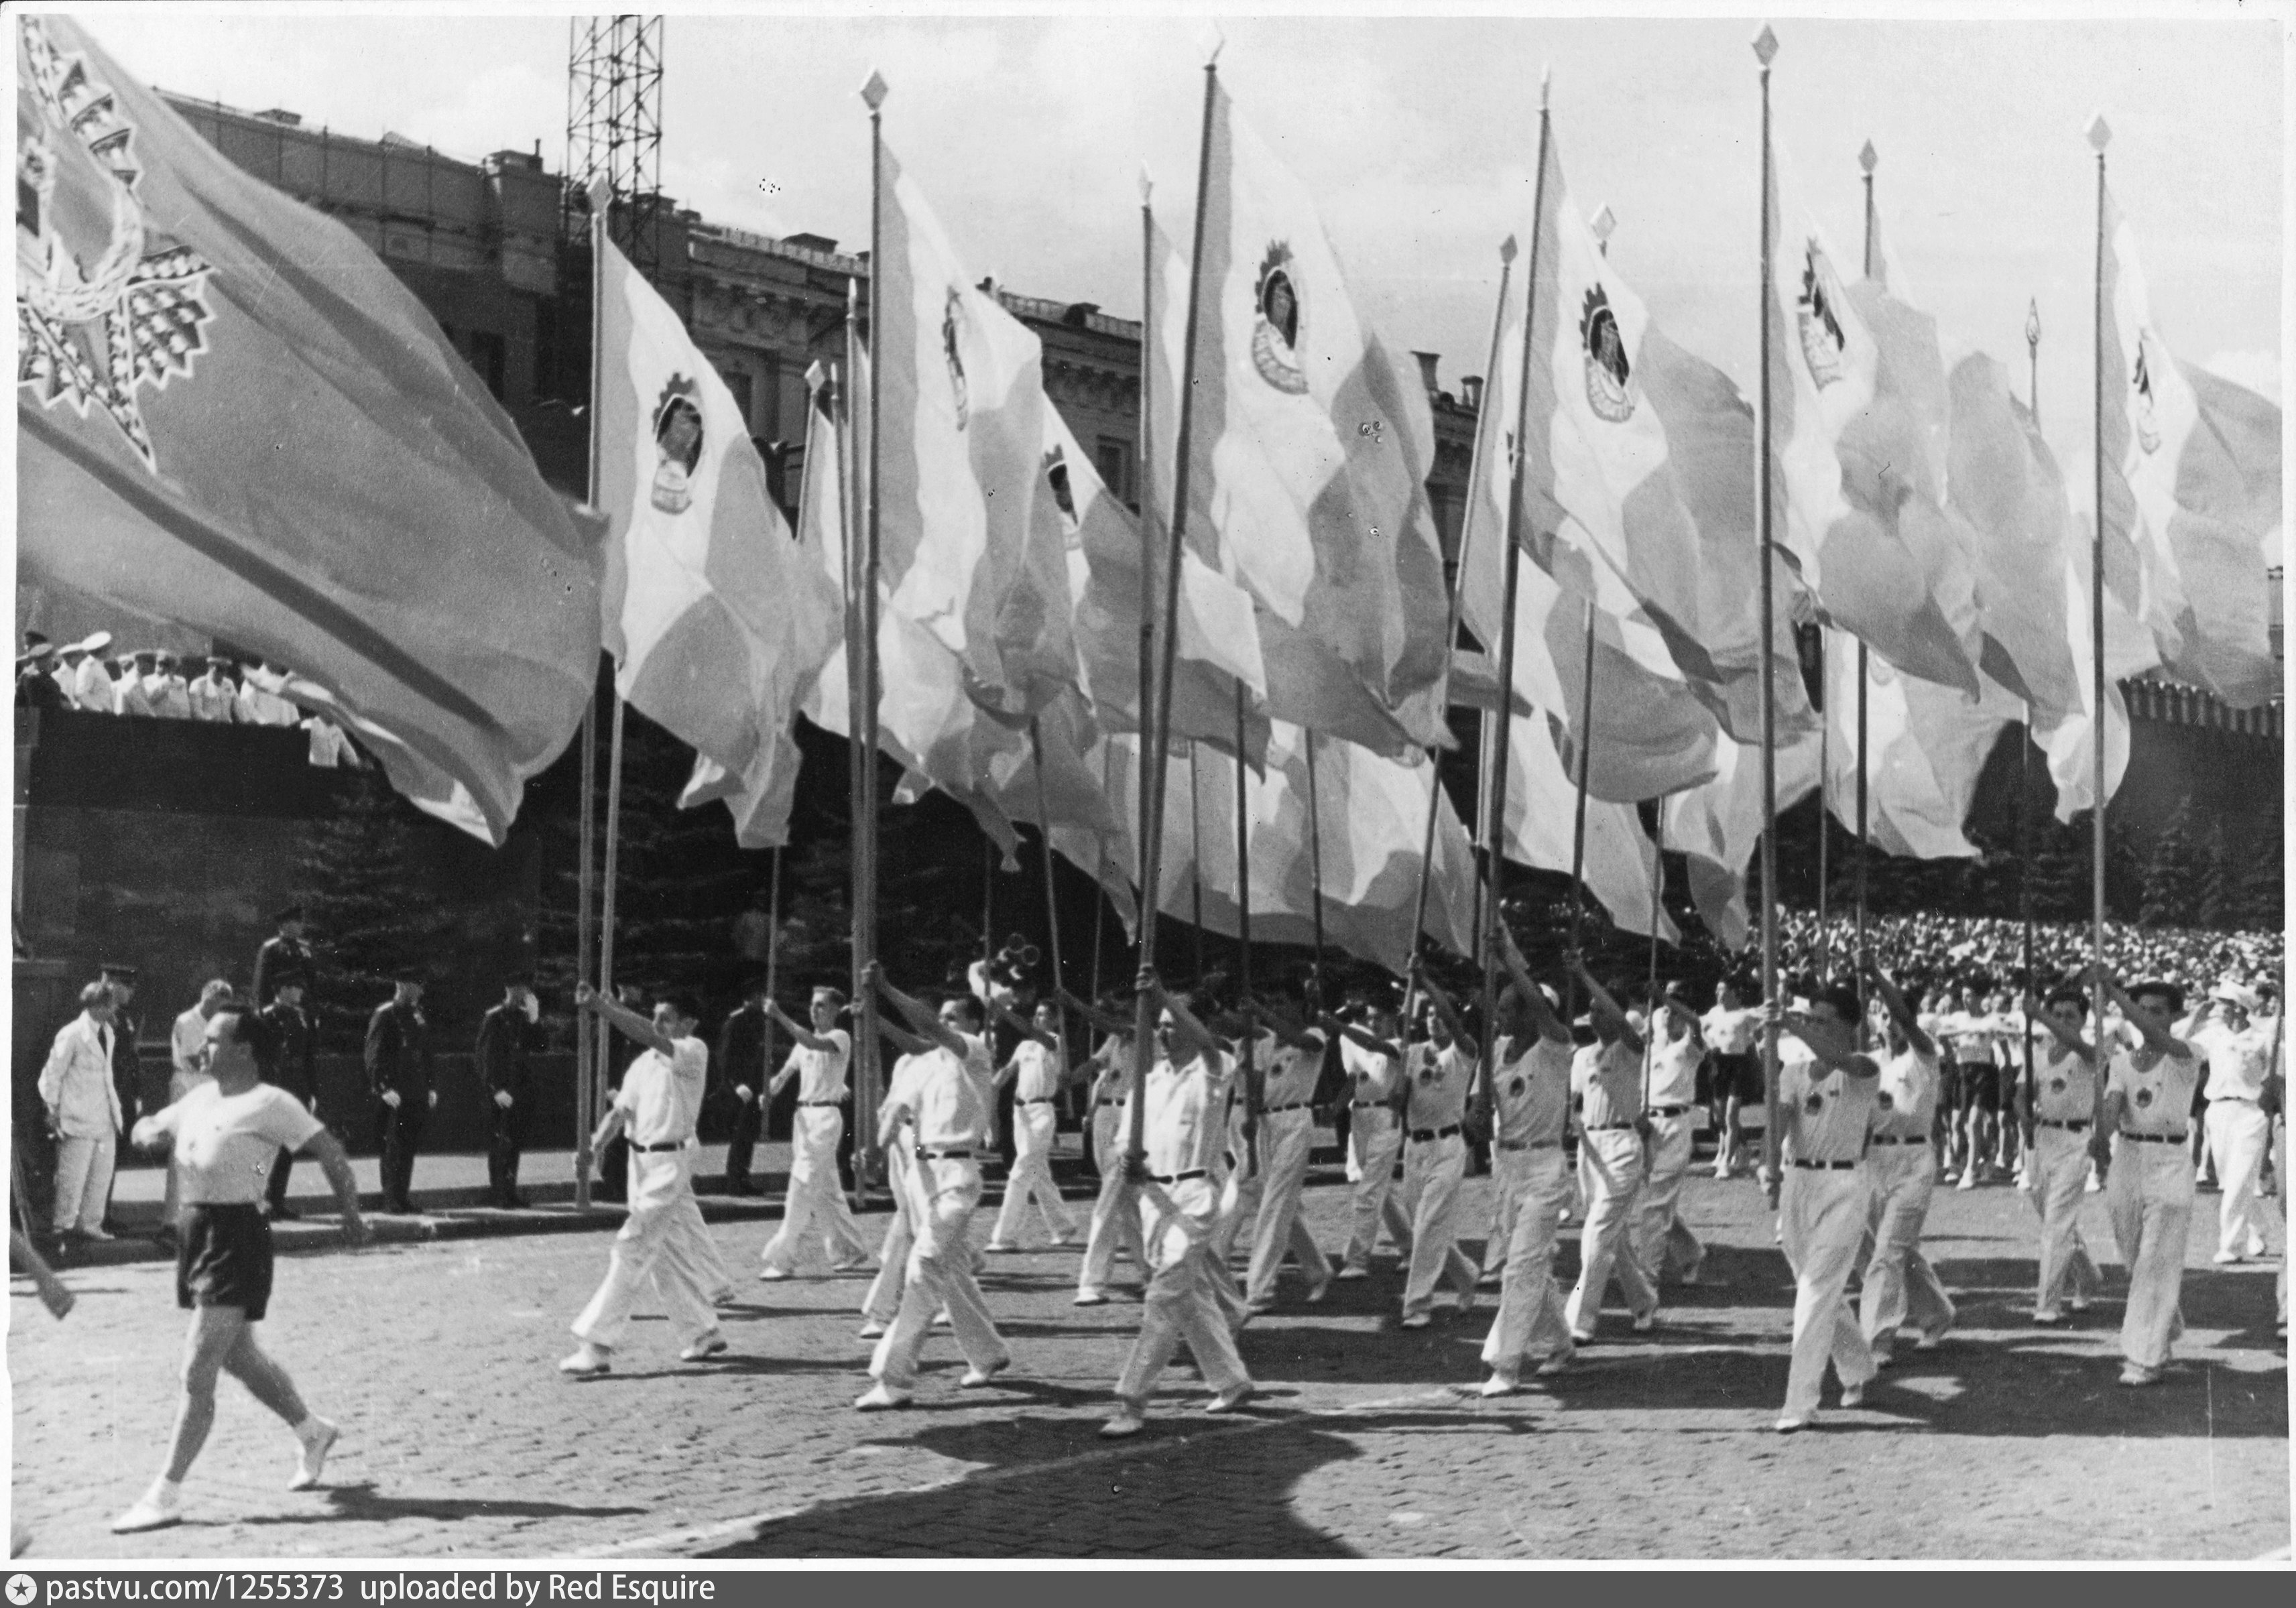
point(613, 130)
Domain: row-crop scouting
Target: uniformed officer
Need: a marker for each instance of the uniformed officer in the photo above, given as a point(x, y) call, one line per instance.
point(169, 693)
point(2057, 1161)
point(1673, 1050)
point(1900, 1284)
point(1607, 1076)
point(2148, 1186)
point(741, 1072)
point(37, 686)
point(1827, 1101)
point(1184, 1129)
point(505, 1039)
point(131, 690)
point(295, 1068)
point(1373, 1059)
point(1440, 1077)
point(285, 951)
point(89, 682)
point(1529, 1096)
point(213, 696)
point(817, 1060)
point(399, 1074)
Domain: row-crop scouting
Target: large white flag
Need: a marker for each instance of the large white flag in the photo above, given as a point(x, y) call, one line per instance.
point(717, 621)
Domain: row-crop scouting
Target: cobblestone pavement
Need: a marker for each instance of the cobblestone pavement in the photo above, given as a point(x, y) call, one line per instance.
point(2009, 1442)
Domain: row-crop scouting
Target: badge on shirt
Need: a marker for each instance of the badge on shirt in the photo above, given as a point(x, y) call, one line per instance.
point(1814, 1104)
point(2057, 1085)
point(1426, 1076)
point(1884, 1101)
point(2143, 1097)
point(1515, 1087)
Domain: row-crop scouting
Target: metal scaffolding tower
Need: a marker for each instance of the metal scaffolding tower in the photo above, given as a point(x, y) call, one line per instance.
point(613, 130)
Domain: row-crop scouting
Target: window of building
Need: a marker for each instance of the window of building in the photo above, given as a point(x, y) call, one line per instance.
point(1112, 457)
point(739, 381)
point(490, 356)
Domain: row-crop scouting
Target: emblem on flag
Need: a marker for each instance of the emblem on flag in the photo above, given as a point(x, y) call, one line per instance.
point(676, 444)
point(950, 311)
point(1056, 476)
point(1606, 360)
point(1821, 331)
point(1275, 324)
point(99, 318)
point(2148, 430)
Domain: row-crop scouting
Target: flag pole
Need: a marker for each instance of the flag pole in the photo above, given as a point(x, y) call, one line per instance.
point(1824, 796)
point(605, 1041)
point(773, 980)
point(1157, 732)
point(1868, 159)
point(1253, 1085)
point(1766, 49)
point(1150, 815)
point(1315, 842)
point(848, 504)
point(586, 885)
point(1196, 857)
point(865, 845)
point(1494, 827)
point(1604, 226)
point(2025, 752)
point(1052, 903)
point(2100, 134)
point(1450, 644)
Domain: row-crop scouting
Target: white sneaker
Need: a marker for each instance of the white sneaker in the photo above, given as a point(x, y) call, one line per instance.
point(1502, 1382)
point(314, 1459)
point(1555, 1364)
point(1352, 1271)
point(773, 1276)
point(156, 1509)
point(1233, 1398)
point(872, 1330)
point(1853, 1395)
point(704, 1348)
point(879, 1399)
point(975, 1378)
point(1128, 1421)
point(1094, 1297)
point(1787, 1426)
point(587, 1361)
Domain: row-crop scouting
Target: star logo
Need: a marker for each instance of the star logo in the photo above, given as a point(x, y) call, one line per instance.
point(21, 1589)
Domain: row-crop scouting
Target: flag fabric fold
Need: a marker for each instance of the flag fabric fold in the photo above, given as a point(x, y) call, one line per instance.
point(1718, 826)
point(233, 416)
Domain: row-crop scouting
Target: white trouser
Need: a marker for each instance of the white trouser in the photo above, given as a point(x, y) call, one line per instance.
point(1114, 1216)
point(815, 1193)
point(1181, 1301)
point(1432, 1172)
point(1900, 1284)
point(2149, 1195)
point(1241, 1186)
point(84, 1180)
point(942, 1195)
point(1530, 1320)
point(1661, 1238)
point(1822, 1218)
point(2280, 1171)
point(1031, 1178)
point(1374, 1138)
point(1285, 1140)
point(1611, 1162)
point(2059, 1169)
point(884, 1298)
point(2239, 1134)
point(657, 1243)
point(1509, 1173)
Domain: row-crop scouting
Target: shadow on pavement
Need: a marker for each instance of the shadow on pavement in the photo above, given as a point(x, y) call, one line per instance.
point(361, 1503)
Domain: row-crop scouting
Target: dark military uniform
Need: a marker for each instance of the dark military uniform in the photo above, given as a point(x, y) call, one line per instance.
point(398, 1058)
point(281, 958)
point(297, 1072)
point(741, 1059)
point(504, 1042)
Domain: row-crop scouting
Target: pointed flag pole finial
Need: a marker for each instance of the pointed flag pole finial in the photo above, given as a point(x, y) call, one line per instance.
point(875, 90)
point(602, 197)
point(1147, 183)
point(1604, 224)
point(1545, 83)
point(1869, 159)
point(2100, 132)
point(815, 376)
point(1765, 45)
point(2033, 322)
point(1211, 41)
point(1506, 250)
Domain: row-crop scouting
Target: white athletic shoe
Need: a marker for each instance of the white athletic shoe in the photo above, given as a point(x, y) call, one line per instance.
point(1502, 1382)
point(881, 1399)
point(1231, 1398)
point(872, 1330)
point(1417, 1320)
point(1555, 1364)
point(155, 1509)
point(313, 1461)
point(1352, 1271)
point(1128, 1421)
point(704, 1348)
point(773, 1276)
point(587, 1361)
point(975, 1378)
point(1853, 1395)
point(1787, 1426)
point(1094, 1297)
point(1648, 1321)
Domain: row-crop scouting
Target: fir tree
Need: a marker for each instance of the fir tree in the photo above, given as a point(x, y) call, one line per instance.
point(2170, 871)
point(359, 877)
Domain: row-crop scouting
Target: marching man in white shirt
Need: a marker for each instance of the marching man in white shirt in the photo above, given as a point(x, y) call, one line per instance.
point(1900, 1284)
point(1115, 1213)
point(1287, 1132)
point(1036, 1069)
point(1607, 1076)
point(2057, 1162)
point(83, 1112)
point(2148, 1182)
point(1374, 1063)
point(1183, 1130)
point(1529, 1096)
point(1671, 1094)
point(2239, 1051)
point(1827, 1106)
point(945, 1102)
point(1439, 1076)
point(817, 1059)
point(662, 1241)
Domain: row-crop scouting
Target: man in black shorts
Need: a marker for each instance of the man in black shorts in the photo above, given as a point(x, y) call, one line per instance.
point(1734, 1034)
point(227, 1129)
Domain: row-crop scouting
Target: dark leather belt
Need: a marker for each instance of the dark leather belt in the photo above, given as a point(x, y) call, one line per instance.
point(1607, 1127)
point(1419, 1135)
point(2153, 1139)
point(652, 1149)
point(1826, 1166)
point(1367, 1105)
point(943, 1155)
point(1530, 1143)
point(2071, 1127)
point(1297, 1105)
point(1179, 1177)
point(1886, 1139)
point(1668, 1111)
point(1041, 1100)
point(1112, 1105)
point(821, 1102)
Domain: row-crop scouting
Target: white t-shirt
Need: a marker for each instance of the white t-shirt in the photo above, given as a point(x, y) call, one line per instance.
point(662, 1096)
point(1674, 1063)
point(1292, 1072)
point(820, 1073)
point(2238, 1062)
point(1038, 1076)
point(1731, 1032)
point(1439, 1079)
point(225, 1143)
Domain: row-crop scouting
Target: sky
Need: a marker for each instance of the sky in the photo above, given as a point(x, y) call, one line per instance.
point(1419, 138)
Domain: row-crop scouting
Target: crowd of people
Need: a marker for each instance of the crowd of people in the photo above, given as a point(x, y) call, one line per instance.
point(1589, 1107)
point(151, 683)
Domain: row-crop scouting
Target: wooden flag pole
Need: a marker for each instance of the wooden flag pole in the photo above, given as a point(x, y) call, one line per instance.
point(2025, 764)
point(1450, 644)
point(1156, 734)
point(864, 714)
point(1868, 159)
point(1766, 49)
point(1315, 844)
point(1495, 828)
point(2100, 134)
point(859, 773)
point(773, 967)
point(1824, 796)
point(586, 1112)
point(605, 1040)
point(1586, 746)
point(1657, 907)
point(1196, 859)
point(1253, 1084)
point(1052, 903)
